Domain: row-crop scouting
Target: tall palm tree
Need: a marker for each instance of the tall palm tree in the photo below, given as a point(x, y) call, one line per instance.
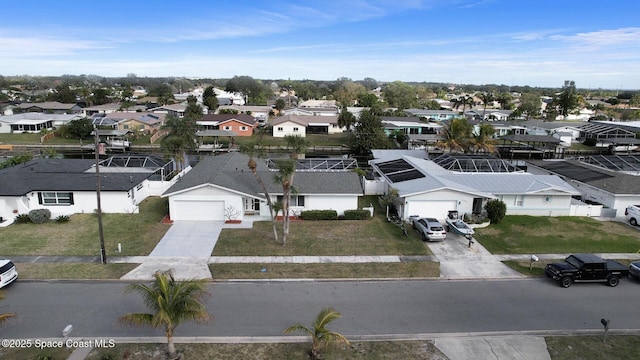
point(179, 139)
point(456, 136)
point(5, 316)
point(252, 150)
point(486, 99)
point(483, 140)
point(171, 302)
point(297, 144)
point(346, 119)
point(463, 101)
point(321, 337)
point(284, 177)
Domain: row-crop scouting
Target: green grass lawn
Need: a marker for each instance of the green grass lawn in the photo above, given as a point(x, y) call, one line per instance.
point(314, 238)
point(138, 234)
point(546, 235)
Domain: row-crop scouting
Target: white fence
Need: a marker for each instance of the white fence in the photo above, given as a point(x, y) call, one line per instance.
point(374, 187)
point(585, 210)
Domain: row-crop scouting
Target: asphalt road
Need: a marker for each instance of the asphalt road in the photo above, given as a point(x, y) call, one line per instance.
point(368, 308)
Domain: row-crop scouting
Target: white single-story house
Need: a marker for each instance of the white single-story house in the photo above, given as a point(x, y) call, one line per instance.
point(301, 125)
point(259, 112)
point(610, 180)
point(34, 122)
point(433, 115)
point(222, 187)
point(68, 186)
point(427, 188)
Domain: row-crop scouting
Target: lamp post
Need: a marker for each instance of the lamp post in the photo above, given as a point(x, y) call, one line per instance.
point(103, 253)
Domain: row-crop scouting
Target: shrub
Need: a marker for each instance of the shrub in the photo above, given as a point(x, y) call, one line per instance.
point(22, 219)
point(40, 216)
point(319, 215)
point(591, 141)
point(357, 215)
point(62, 219)
point(496, 210)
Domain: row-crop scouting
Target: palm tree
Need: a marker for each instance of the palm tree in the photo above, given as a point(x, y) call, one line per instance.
point(463, 101)
point(171, 302)
point(180, 138)
point(346, 119)
point(297, 144)
point(252, 151)
point(456, 136)
point(483, 140)
point(284, 177)
point(5, 316)
point(486, 99)
point(321, 337)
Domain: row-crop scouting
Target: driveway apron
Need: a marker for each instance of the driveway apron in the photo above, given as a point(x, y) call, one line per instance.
point(458, 260)
point(185, 249)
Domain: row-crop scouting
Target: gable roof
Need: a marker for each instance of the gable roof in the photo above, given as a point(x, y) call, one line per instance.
point(223, 118)
point(38, 117)
point(63, 175)
point(50, 105)
point(230, 171)
point(306, 120)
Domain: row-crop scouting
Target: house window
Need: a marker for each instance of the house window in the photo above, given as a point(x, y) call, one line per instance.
point(126, 127)
point(295, 129)
point(295, 200)
point(55, 198)
point(226, 128)
point(280, 129)
point(243, 128)
point(519, 200)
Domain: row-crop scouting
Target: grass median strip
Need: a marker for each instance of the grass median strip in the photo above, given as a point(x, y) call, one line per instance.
point(68, 271)
point(326, 270)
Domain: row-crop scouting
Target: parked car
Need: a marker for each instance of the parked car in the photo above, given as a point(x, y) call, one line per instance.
point(8, 273)
point(632, 212)
point(429, 228)
point(586, 268)
point(634, 269)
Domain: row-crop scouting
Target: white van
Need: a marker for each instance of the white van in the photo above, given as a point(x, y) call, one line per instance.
point(632, 212)
point(8, 273)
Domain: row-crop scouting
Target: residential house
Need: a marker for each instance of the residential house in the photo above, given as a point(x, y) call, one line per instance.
point(240, 124)
point(612, 181)
point(259, 112)
point(433, 115)
point(223, 188)
point(110, 108)
point(50, 107)
point(34, 122)
point(175, 110)
point(68, 186)
point(432, 188)
point(144, 122)
point(304, 124)
point(308, 111)
point(488, 114)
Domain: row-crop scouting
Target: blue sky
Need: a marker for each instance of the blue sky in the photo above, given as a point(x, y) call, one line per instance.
point(513, 42)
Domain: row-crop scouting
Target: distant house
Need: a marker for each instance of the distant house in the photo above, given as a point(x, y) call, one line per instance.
point(261, 113)
point(301, 125)
point(145, 122)
point(68, 186)
point(409, 125)
point(221, 187)
point(240, 124)
point(34, 122)
point(433, 115)
point(175, 110)
point(51, 107)
point(488, 114)
point(308, 111)
point(111, 108)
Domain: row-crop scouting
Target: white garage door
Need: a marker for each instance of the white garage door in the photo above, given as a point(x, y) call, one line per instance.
point(198, 210)
point(434, 209)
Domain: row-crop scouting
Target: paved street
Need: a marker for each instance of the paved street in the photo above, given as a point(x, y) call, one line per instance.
point(390, 308)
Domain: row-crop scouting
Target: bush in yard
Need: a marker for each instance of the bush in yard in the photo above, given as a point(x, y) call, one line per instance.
point(496, 210)
point(22, 219)
point(40, 216)
point(319, 215)
point(357, 215)
point(62, 219)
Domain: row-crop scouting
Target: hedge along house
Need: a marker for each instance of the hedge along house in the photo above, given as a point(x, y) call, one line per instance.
point(223, 188)
point(432, 188)
point(68, 186)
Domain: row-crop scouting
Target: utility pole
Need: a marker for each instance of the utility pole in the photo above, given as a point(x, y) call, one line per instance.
point(103, 253)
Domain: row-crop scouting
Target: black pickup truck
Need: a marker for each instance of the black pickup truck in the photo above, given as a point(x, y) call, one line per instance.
point(586, 268)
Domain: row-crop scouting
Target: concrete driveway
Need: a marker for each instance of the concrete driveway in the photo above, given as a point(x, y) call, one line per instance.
point(185, 249)
point(459, 261)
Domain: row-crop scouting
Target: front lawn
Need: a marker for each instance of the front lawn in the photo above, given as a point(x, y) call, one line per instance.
point(138, 234)
point(315, 238)
point(564, 235)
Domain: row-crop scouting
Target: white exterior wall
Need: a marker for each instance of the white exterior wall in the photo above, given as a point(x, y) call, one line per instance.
point(5, 128)
point(208, 193)
point(464, 201)
point(83, 202)
point(287, 129)
point(335, 129)
point(537, 205)
point(339, 203)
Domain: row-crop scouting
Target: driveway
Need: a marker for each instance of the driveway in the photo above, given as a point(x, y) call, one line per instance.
point(459, 261)
point(185, 249)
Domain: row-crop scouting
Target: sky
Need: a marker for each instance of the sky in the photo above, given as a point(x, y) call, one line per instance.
point(538, 43)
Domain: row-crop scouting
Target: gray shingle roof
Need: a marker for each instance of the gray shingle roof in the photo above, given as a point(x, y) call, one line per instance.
point(230, 171)
point(62, 175)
